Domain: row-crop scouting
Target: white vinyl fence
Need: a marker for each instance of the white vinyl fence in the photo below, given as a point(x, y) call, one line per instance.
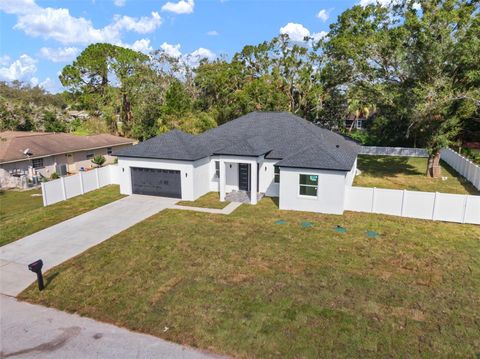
point(462, 165)
point(425, 205)
point(393, 151)
point(76, 185)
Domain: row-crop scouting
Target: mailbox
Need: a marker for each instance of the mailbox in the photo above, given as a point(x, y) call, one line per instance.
point(36, 267)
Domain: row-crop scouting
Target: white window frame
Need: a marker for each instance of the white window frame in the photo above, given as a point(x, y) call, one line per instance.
point(307, 185)
point(217, 169)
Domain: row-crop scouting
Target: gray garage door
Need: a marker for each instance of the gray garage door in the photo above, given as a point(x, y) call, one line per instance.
point(156, 182)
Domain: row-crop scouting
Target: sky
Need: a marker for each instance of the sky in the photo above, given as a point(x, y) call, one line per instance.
point(38, 38)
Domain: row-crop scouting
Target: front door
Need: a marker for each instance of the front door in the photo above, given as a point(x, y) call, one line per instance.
point(243, 177)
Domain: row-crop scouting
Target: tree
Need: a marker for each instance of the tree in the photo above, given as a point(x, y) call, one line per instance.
point(98, 160)
point(104, 75)
point(404, 61)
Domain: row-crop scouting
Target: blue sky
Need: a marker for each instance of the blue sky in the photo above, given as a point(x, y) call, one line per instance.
point(39, 37)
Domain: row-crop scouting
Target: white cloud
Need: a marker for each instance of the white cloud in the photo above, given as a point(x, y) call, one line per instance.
point(193, 58)
point(181, 7)
point(296, 32)
point(65, 54)
point(142, 45)
point(21, 69)
point(319, 35)
point(119, 3)
point(212, 33)
point(171, 50)
point(323, 15)
point(143, 25)
point(58, 24)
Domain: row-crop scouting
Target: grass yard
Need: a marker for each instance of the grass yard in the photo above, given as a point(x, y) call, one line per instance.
point(408, 173)
point(210, 200)
point(22, 212)
point(244, 286)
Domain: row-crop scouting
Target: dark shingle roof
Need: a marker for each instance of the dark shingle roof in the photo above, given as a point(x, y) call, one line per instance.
point(278, 135)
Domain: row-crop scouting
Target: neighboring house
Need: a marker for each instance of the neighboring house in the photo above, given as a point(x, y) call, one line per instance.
point(274, 153)
point(43, 153)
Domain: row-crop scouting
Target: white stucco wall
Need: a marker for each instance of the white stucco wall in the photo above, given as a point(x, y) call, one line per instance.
point(267, 174)
point(201, 177)
point(351, 174)
point(186, 169)
point(330, 194)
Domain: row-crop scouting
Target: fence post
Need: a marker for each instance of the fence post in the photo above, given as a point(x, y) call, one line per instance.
point(80, 177)
point(97, 178)
point(44, 194)
point(434, 211)
point(64, 191)
point(465, 203)
point(373, 200)
point(403, 203)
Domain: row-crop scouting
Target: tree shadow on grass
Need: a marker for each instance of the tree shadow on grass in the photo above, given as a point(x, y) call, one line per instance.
point(386, 166)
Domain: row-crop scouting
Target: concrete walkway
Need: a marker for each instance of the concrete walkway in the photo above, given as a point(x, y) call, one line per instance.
point(226, 210)
point(33, 331)
point(67, 239)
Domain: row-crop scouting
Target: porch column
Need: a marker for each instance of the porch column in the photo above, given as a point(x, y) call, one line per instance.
point(222, 181)
point(253, 183)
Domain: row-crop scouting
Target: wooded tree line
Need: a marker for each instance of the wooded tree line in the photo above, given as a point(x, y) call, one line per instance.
point(412, 69)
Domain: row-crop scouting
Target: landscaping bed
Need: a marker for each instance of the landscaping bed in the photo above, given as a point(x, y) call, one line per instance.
point(22, 212)
point(408, 173)
point(259, 283)
point(209, 200)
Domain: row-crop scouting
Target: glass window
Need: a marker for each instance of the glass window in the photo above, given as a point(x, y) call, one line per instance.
point(109, 151)
point(90, 155)
point(37, 163)
point(276, 177)
point(308, 185)
point(217, 169)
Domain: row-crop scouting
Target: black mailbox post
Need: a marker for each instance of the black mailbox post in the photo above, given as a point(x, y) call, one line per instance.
point(36, 267)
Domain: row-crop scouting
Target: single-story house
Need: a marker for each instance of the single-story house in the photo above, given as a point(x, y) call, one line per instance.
point(275, 154)
point(43, 153)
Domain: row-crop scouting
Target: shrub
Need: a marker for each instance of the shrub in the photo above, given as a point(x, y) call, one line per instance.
point(98, 160)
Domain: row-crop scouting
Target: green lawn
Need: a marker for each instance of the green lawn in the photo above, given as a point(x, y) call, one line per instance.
point(210, 200)
point(22, 213)
point(408, 173)
point(244, 286)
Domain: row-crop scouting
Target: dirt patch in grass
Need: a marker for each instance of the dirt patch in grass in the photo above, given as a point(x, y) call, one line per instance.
point(22, 212)
point(210, 200)
point(409, 173)
point(242, 286)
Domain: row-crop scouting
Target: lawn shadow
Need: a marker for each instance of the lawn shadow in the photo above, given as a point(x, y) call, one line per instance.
point(274, 200)
point(386, 166)
point(50, 278)
point(462, 180)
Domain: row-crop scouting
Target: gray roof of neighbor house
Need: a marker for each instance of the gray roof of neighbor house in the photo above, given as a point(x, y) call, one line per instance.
point(277, 135)
point(13, 144)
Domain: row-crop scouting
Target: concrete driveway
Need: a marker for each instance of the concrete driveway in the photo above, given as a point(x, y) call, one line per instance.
point(33, 331)
point(67, 239)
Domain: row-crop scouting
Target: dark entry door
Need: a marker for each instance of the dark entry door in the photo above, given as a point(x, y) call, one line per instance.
point(156, 182)
point(243, 177)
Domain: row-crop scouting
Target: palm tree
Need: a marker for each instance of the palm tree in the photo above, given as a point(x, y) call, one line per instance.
point(359, 110)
